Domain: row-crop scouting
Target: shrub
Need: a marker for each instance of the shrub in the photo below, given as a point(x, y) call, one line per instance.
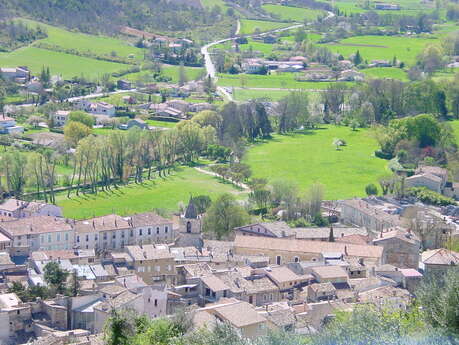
point(371, 189)
point(430, 197)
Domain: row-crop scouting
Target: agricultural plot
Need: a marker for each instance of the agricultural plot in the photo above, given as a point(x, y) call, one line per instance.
point(296, 14)
point(407, 7)
point(164, 193)
point(100, 45)
point(386, 72)
point(248, 94)
point(250, 26)
point(406, 49)
point(309, 157)
point(192, 73)
point(275, 81)
point(66, 65)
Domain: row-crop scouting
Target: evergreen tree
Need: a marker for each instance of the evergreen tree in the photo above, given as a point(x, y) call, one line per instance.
point(357, 58)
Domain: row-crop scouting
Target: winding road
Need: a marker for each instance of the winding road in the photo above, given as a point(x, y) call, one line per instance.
point(210, 67)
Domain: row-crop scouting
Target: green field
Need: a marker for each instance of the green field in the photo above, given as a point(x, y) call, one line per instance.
point(66, 65)
point(296, 14)
point(407, 7)
point(192, 73)
point(247, 94)
point(160, 193)
point(250, 26)
point(309, 157)
point(406, 49)
point(164, 124)
point(276, 81)
point(386, 72)
point(100, 45)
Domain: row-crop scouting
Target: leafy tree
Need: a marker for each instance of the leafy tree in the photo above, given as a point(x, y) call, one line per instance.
point(55, 276)
point(82, 117)
point(202, 203)
point(224, 215)
point(371, 189)
point(75, 131)
point(300, 35)
point(357, 58)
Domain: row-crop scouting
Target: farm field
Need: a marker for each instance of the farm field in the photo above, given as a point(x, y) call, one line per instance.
point(164, 124)
point(406, 49)
point(250, 26)
point(192, 73)
point(248, 94)
point(407, 7)
point(386, 72)
point(309, 157)
point(277, 81)
point(296, 14)
point(66, 65)
point(164, 193)
point(100, 45)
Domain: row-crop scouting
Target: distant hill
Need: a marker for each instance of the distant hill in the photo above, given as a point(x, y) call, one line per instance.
point(106, 16)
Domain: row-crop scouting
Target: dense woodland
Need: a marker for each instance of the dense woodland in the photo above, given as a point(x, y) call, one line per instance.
point(106, 16)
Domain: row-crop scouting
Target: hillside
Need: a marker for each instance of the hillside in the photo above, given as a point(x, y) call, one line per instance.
point(106, 16)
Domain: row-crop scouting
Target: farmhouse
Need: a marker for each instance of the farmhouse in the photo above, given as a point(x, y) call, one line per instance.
point(439, 260)
point(60, 117)
point(97, 108)
point(18, 74)
point(274, 229)
point(8, 126)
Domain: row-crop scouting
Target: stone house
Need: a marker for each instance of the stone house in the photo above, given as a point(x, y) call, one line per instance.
point(15, 317)
point(61, 117)
point(401, 248)
point(374, 216)
point(152, 263)
point(38, 233)
point(439, 261)
point(273, 229)
point(321, 292)
point(240, 315)
point(280, 250)
point(14, 208)
point(330, 274)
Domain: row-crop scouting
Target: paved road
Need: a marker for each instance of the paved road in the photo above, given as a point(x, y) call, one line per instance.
point(74, 99)
point(210, 67)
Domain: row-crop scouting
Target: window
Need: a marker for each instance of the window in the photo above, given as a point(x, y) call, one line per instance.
point(19, 237)
point(105, 235)
point(87, 238)
point(296, 259)
point(122, 234)
point(157, 230)
point(95, 237)
point(132, 233)
point(42, 239)
point(156, 302)
point(166, 229)
point(66, 236)
point(140, 232)
point(49, 238)
point(149, 231)
point(278, 260)
point(114, 245)
point(114, 235)
point(78, 239)
point(188, 227)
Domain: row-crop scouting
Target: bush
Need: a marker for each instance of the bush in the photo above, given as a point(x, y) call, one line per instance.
point(383, 155)
point(430, 197)
point(371, 189)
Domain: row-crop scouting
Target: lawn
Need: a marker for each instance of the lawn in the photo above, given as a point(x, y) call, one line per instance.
point(192, 73)
point(100, 45)
point(247, 94)
point(249, 26)
point(160, 193)
point(386, 72)
point(278, 81)
point(66, 65)
point(309, 157)
point(164, 124)
point(296, 14)
point(455, 126)
point(406, 49)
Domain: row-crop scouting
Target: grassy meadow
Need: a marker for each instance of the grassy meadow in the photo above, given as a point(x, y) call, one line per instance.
point(296, 14)
point(66, 65)
point(386, 72)
point(164, 193)
point(249, 26)
point(309, 156)
point(406, 49)
point(276, 81)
